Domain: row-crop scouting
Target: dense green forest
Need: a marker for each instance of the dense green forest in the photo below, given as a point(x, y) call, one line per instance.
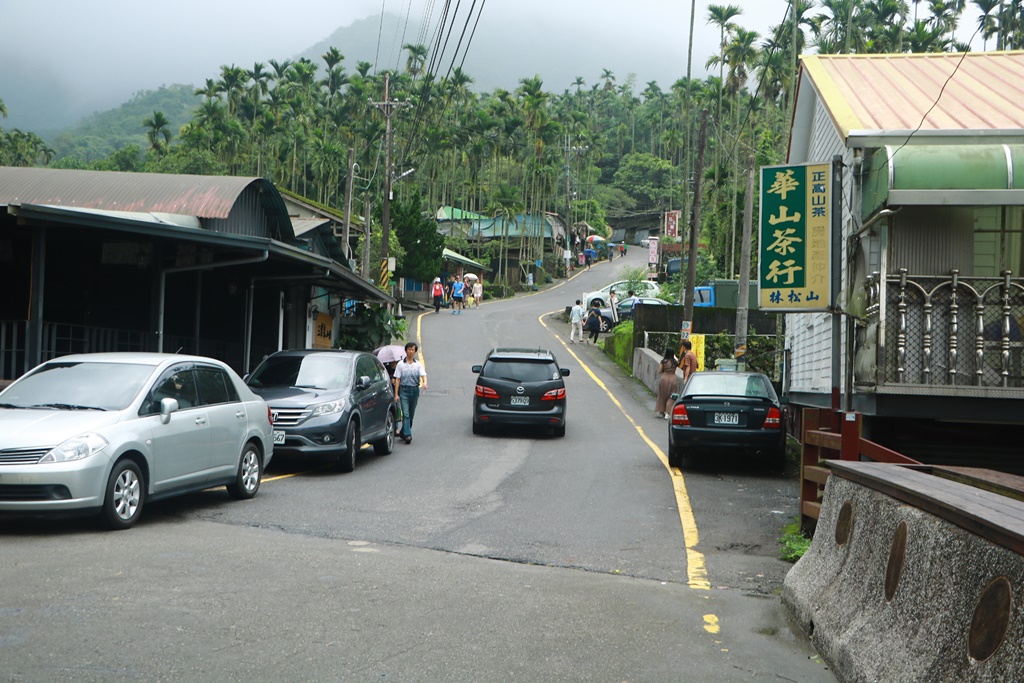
point(618, 152)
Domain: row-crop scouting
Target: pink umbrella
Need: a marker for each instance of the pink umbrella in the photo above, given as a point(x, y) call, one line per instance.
point(595, 238)
point(390, 353)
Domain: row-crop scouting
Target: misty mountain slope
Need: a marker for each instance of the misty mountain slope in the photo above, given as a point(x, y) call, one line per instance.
point(101, 133)
point(500, 55)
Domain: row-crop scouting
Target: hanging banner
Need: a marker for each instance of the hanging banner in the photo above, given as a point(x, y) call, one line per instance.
point(795, 249)
point(672, 223)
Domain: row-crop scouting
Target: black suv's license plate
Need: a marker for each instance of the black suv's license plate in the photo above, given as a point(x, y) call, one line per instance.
point(519, 400)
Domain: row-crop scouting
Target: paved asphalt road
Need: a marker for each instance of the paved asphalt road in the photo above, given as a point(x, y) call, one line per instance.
point(507, 557)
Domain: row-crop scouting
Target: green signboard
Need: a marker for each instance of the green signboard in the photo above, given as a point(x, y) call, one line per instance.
point(795, 250)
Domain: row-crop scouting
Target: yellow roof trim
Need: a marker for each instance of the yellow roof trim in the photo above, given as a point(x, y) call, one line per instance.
point(843, 116)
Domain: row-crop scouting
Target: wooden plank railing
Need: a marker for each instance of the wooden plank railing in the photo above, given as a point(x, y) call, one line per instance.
point(831, 435)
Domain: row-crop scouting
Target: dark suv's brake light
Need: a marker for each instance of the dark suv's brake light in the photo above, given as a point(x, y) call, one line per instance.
point(554, 395)
point(486, 392)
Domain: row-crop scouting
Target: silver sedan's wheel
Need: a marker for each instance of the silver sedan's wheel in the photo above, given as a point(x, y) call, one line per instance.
point(126, 493)
point(250, 474)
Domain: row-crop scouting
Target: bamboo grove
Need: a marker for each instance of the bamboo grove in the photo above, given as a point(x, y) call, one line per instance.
point(617, 152)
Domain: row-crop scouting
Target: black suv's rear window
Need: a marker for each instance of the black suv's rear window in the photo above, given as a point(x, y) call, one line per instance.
point(521, 370)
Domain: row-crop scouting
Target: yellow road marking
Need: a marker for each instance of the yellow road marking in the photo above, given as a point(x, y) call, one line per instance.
point(696, 569)
point(711, 624)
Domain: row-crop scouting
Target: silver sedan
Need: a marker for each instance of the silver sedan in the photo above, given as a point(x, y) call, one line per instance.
point(105, 433)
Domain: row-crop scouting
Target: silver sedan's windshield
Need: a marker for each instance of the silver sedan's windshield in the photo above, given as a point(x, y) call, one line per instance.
point(78, 386)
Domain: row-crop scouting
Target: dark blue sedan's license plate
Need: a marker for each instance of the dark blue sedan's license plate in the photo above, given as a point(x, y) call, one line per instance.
point(727, 418)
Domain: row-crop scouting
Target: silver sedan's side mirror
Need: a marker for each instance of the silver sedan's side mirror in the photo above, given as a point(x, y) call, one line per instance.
point(167, 406)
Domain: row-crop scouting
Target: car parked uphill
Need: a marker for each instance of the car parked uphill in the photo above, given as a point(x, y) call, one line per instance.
point(727, 412)
point(643, 288)
point(107, 433)
point(519, 387)
point(624, 310)
point(327, 403)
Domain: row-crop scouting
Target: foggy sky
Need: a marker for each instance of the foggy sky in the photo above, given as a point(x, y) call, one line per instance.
point(104, 49)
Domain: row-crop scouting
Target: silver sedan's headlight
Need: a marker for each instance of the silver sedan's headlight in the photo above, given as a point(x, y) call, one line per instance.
point(330, 408)
point(76, 448)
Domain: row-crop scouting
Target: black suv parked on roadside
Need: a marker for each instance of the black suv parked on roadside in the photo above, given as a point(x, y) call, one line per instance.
point(520, 387)
point(327, 403)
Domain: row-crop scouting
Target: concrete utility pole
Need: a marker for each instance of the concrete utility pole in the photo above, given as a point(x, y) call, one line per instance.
point(569, 151)
point(348, 201)
point(748, 226)
point(691, 266)
point(367, 232)
point(388, 108)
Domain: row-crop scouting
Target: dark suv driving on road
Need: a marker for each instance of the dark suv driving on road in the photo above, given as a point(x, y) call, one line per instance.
point(521, 387)
point(327, 403)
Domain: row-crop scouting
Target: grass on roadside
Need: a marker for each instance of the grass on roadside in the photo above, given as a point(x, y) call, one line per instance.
point(794, 543)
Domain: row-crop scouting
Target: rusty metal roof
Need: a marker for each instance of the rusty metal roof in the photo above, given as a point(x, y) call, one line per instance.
point(977, 95)
point(189, 195)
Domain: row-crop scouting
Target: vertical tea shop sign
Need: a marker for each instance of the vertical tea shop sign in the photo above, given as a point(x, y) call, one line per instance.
point(795, 249)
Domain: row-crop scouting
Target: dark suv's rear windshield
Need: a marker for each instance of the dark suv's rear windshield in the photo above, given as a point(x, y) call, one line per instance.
point(521, 370)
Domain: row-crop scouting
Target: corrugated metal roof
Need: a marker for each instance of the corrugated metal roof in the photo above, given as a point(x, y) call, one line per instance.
point(190, 195)
point(303, 225)
point(952, 94)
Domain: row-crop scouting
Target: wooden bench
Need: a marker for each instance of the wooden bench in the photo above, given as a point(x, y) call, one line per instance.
point(987, 503)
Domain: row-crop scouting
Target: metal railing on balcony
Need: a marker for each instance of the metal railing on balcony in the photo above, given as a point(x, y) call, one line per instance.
point(942, 331)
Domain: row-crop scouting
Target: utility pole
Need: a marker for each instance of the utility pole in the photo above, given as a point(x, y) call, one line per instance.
point(348, 201)
point(744, 303)
point(568, 202)
point(367, 232)
point(691, 266)
point(569, 151)
point(388, 108)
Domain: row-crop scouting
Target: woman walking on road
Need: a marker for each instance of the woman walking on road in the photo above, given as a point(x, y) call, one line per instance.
point(594, 323)
point(410, 377)
point(668, 383)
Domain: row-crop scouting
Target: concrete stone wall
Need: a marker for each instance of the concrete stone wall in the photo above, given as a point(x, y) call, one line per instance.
point(838, 594)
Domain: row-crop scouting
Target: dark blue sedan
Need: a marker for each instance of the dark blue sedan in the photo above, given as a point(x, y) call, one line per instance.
point(727, 412)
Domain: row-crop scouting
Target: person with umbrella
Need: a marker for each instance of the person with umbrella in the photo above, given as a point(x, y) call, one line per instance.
point(589, 255)
point(410, 377)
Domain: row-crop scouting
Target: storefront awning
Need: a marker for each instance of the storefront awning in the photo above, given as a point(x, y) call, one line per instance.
point(943, 175)
point(450, 255)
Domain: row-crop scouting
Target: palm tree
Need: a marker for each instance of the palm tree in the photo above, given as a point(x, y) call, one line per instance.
point(986, 22)
point(332, 57)
point(158, 126)
point(506, 205)
point(416, 59)
point(3, 110)
point(721, 16)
